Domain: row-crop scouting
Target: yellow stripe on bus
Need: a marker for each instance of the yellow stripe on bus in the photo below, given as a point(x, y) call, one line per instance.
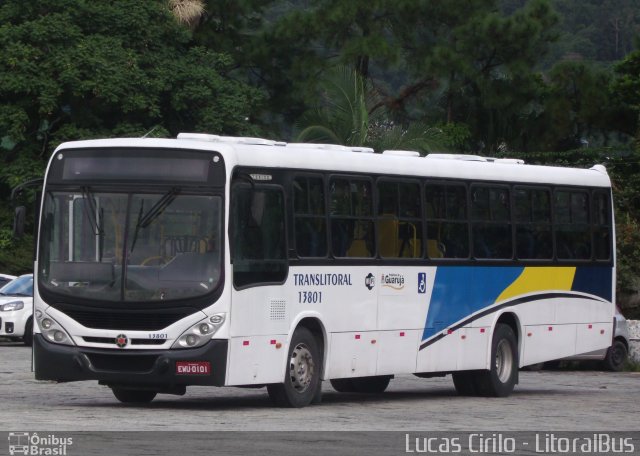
point(535, 279)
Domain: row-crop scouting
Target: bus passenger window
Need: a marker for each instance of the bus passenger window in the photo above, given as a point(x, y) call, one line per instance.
point(310, 223)
point(352, 232)
point(447, 224)
point(572, 227)
point(491, 228)
point(602, 226)
point(533, 223)
point(399, 220)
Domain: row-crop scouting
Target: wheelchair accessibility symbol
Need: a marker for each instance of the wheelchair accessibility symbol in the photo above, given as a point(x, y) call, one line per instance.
point(422, 282)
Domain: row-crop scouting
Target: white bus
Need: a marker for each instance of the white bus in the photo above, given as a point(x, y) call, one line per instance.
point(208, 260)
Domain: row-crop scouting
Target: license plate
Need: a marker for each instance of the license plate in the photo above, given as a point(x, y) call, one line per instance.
point(193, 368)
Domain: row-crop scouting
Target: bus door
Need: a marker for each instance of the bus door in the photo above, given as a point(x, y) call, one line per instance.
point(257, 235)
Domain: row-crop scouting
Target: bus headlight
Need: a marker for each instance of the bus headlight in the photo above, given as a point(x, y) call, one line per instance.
point(200, 333)
point(51, 330)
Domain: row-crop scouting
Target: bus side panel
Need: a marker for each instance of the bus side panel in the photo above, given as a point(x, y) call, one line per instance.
point(403, 301)
point(256, 360)
point(397, 351)
point(259, 315)
point(546, 342)
point(353, 354)
point(591, 337)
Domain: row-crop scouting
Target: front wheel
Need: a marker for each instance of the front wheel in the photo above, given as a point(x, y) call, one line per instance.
point(132, 396)
point(302, 376)
point(616, 356)
point(502, 376)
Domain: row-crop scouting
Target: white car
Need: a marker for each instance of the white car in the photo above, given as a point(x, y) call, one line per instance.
point(5, 279)
point(16, 309)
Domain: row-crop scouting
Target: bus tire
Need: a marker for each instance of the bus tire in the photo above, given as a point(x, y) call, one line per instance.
point(27, 338)
point(616, 356)
point(343, 385)
point(302, 375)
point(371, 385)
point(133, 396)
point(502, 376)
point(465, 383)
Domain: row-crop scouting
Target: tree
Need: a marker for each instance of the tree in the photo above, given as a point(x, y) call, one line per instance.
point(485, 63)
point(348, 114)
point(578, 105)
point(626, 88)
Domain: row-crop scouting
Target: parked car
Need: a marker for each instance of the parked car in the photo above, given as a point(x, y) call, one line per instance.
point(5, 279)
point(612, 358)
point(16, 309)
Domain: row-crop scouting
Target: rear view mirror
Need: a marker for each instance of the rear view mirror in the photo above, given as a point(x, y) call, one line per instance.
point(18, 222)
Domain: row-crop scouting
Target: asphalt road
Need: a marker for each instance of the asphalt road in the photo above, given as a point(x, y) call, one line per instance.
point(560, 401)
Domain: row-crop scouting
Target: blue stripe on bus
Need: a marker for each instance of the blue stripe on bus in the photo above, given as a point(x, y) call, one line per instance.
point(459, 292)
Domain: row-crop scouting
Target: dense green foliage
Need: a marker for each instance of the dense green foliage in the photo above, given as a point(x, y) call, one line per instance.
point(504, 77)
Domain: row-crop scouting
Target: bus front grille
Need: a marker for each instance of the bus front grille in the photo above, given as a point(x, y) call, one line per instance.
point(126, 320)
point(112, 340)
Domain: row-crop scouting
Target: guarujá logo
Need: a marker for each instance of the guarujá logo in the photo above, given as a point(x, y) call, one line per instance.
point(393, 280)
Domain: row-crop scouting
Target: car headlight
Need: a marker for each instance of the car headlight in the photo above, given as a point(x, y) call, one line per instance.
point(10, 306)
point(51, 330)
point(200, 333)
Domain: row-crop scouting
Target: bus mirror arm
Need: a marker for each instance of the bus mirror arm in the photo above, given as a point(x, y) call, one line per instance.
point(18, 222)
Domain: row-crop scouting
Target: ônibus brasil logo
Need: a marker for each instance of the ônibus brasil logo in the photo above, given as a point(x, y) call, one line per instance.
point(370, 281)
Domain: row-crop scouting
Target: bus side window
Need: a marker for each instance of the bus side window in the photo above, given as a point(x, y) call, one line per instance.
point(491, 222)
point(258, 236)
point(399, 220)
point(447, 223)
point(572, 227)
point(310, 223)
point(602, 226)
point(352, 232)
point(533, 223)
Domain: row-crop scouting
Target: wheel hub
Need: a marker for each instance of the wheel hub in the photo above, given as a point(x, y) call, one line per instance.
point(301, 367)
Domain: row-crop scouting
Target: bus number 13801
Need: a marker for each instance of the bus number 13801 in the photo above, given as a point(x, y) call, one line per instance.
point(309, 297)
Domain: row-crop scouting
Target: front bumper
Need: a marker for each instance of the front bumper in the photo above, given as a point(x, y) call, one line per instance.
point(12, 323)
point(65, 363)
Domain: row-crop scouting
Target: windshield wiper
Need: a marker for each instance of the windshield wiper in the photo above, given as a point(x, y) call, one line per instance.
point(153, 213)
point(90, 211)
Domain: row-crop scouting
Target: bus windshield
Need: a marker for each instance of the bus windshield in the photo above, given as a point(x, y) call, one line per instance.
point(138, 247)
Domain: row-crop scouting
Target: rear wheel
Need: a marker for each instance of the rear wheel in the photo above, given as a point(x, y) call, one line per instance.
point(27, 339)
point(465, 383)
point(132, 396)
point(616, 356)
point(502, 376)
point(302, 376)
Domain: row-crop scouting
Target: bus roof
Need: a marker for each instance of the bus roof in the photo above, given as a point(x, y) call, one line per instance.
point(258, 152)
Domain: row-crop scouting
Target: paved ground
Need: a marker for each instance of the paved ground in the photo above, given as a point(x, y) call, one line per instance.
point(559, 401)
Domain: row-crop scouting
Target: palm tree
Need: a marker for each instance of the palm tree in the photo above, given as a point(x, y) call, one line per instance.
point(350, 115)
point(188, 12)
